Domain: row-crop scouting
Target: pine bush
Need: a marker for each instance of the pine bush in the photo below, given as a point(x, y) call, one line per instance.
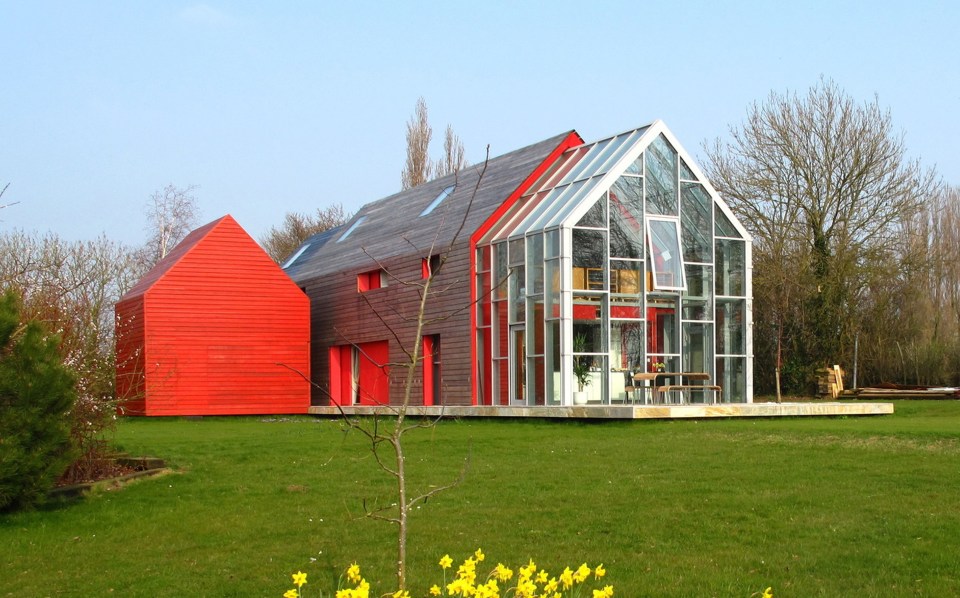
point(36, 395)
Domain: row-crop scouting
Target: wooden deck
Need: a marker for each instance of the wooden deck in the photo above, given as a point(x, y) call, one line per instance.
point(812, 409)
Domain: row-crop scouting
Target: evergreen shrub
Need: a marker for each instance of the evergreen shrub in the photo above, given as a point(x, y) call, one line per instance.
point(36, 395)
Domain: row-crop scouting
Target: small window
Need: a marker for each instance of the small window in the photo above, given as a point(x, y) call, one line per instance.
point(368, 281)
point(294, 257)
point(352, 228)
point(430, 266)
point(439, 199)
point(665, 259)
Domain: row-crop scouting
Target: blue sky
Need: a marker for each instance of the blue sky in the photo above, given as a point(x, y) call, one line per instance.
point(291, 106)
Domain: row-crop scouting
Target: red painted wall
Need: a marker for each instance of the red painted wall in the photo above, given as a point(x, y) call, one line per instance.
point(222, 330)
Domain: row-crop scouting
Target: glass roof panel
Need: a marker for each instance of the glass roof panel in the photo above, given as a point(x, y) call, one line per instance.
point(583, 168)
point(436, 202)
point(724, 228)
point(352, 228)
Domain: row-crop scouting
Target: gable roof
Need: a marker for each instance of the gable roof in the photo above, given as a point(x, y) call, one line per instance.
point(397, 225)
point(183, 249)
point(174, 256)
point(570, 187)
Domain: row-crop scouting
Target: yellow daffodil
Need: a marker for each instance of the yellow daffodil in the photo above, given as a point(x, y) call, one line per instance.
point(566, 578)
point(353, 573)
point(542, 576)
point(480, 556)
point(446, 561)
point(435, 590)
point(581, 574)
point(608, 591)
point(299, 578)
point(401, 594)
point(599, 571)
point(768, 593)
point(502, 572)
point(291, 593)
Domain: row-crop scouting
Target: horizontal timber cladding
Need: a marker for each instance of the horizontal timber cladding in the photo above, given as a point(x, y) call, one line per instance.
point(225, 330)
point(340, 315)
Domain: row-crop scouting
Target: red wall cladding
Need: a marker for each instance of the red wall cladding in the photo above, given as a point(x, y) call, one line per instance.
point(216, 328)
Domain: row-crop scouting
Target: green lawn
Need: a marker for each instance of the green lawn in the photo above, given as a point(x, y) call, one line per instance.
point(833, 507)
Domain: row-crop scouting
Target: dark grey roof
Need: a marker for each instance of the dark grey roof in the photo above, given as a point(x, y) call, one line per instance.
point(393, 226)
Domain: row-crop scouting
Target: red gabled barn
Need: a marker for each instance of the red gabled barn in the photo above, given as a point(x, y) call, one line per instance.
point(215, 328)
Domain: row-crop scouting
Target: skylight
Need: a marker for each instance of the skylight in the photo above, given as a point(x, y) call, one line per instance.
point(436, 202)
point(352, 228)
point(294, 257)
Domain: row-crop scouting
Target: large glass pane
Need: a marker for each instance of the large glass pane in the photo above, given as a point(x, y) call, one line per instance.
point(596, 216)
point(517, 254)
point(553, 243)
point(517, 294)
point(535, 264)
point(625, 277)
point(551, 295)
point(626, 346)
point(500, 272)
point(731, 267)
point(662, 326)
point(626, 218)
point(535, 381)
point(730, 326)
point(589, 259)
point(725, 228)
point(696, 300)
point(661, 178)
point(732, 379)
point(588, 328)
point(665, 254)
point(552, 359)
point(697, 348)
point(685, 172)
point(695, 218)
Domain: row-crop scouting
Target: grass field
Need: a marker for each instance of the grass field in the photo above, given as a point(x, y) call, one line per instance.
point(812, 507)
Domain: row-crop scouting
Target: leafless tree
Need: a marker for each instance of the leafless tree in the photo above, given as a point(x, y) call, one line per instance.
point(6, 205)
point(824, 185)
point(171, 213)
point(389, 424)
point(419, 132)
point(280, 242)
point(454, 158)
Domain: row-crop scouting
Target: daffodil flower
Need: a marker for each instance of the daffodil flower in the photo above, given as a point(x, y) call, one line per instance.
point(299, 578)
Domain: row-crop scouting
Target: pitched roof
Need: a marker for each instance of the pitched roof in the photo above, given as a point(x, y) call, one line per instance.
point(175, 255)
point(396, 225)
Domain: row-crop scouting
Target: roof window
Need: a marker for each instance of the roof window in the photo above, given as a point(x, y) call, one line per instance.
point(294, 257)
point(352, 228)
point(439, 199)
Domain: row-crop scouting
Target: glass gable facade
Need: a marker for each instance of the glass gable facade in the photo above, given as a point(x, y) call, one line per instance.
point(620, 260)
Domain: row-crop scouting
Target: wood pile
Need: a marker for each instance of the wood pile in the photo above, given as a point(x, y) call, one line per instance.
point(830, 382)
point(899, 391)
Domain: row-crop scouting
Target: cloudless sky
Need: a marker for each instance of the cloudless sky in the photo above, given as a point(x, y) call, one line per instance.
point(272, 107)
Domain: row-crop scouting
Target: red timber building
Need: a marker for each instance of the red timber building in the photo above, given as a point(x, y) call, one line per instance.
point(215, 328)
point(560, 271)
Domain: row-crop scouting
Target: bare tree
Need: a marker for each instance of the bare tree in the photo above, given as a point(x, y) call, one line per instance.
point(454, 158)
point(387, 428)
point(824, 185)
point(2, 191)
point(171, 213)
point(419, 132)
point(280, 242)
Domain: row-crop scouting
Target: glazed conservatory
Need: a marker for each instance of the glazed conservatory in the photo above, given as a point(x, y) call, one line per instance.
point(619, 271)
